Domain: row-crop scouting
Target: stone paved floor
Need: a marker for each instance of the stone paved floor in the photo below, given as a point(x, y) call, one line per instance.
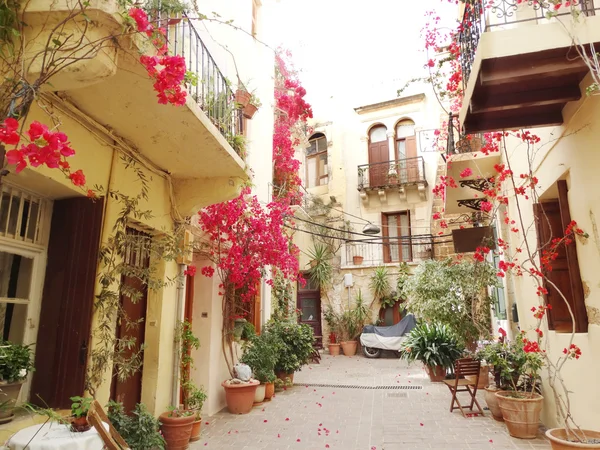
point(359, 419)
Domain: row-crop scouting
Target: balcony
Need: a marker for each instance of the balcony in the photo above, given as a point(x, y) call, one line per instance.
point(392, 175)
point(380, 251)
point(193, 142)
point(520, 68)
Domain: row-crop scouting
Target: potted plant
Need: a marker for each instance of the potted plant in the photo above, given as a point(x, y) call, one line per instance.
point(15, 364)
point(242, 96)
point(332, 320)
point(241, 390)
point(392, 174)
point(434, 345)
point(252, 106)
point(351, 323)
point(297, 346)
point(194, 400)
point(261, 354)
point(176, 427)
point(357, 260)
point(79, 410)
point(140, 429)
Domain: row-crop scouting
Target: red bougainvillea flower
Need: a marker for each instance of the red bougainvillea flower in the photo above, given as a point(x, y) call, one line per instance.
point(207, 271)
point(78, 178)
point(466, 173)
point(190, 270)
point(8, 132)
point(572, 352)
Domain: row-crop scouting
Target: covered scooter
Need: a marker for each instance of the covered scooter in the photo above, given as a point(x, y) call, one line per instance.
point(374, 339)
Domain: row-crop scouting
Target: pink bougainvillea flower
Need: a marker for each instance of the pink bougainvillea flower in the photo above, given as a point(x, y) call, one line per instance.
point(190, 271)
point(77, 178)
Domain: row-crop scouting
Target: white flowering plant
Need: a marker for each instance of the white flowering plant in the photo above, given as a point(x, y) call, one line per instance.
point(16, 361)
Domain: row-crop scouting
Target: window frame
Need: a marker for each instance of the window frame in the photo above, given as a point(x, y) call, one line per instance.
point(319, 176)
point(397, 139)
point(386, 244)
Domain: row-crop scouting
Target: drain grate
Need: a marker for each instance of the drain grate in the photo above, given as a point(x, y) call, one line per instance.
point(404, 387)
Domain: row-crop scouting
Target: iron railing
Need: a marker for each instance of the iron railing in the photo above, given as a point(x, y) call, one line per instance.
point(383, 250)
point(212, 92)
point(464, 144)
point(482, 16)
point(389, 174)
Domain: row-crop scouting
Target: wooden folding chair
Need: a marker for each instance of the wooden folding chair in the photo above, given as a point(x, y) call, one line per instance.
point(315, 356)
point(466, 366)
point(111, 438)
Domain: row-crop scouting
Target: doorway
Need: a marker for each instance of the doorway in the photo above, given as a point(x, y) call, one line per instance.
point(133, 327)
point(309, 305)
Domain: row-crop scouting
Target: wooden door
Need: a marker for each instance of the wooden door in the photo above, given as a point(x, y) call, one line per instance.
point(67, 302)
point(309, 304)
point(379, 157)
point(390, 316)
point(412, 162)
point(129, 391)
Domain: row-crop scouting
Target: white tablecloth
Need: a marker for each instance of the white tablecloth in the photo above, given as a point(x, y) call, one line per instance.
point(53, 436)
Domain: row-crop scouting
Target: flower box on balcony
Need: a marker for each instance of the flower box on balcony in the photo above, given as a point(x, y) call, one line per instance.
point(467, 240)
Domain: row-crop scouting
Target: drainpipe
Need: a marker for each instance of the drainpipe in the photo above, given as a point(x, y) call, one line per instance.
point(179, 312)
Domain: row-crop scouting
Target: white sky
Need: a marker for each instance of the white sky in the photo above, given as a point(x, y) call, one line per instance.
point(356, 51)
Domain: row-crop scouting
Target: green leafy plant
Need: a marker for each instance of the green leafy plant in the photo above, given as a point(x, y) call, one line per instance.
point(16, 361)
point(380, 285)
point(261, 353)
point(141, 430)
point(196, 397)
point(455, 294)
point(297, 344)
point(254, 100)
point(80, 406)
point(321, 270)
point(238, 143)
point(433, 344)
point(351, 322)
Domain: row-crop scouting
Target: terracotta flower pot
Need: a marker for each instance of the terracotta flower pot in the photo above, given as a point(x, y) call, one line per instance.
point(522, 415)
point(249, 111)
point(283, 375)
point(349, 347)
point(80, 424)
point(176, 430)
point(269, 391)
point(240, 397)
point(437, 374)
point(334, 349)
point(492, 403)
point(357, 260)
point(196, 429)
point(242, 97)
point(9, 394)
point(259, 395)
point(558, 439)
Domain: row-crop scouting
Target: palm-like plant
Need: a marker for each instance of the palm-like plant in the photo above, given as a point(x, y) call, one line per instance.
point(321, 271)
point(432, 344)
point(380, 284)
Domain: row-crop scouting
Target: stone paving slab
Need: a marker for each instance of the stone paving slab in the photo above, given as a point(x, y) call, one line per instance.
point(314, 417)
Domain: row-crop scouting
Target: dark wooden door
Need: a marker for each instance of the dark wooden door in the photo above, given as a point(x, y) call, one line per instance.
point(129, 391)
point(379, 157)
point(390, 316)
point(309, 304)
point(67, 302)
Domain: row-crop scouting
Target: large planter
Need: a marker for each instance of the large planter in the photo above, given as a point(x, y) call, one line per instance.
point(437, 374)
point(249, 111)
point(240, 397)
point(334, 349)
point(492, 403)
point(521, 415)
point(8, 394)
point(558, 439)
point(484, 378)
point(259, 395)
point(349, 347)
point(176, 430)
point(283, 375)
point(196, 429)
point(269, 391)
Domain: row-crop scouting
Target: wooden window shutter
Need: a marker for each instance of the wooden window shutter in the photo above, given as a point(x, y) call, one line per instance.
point(411, 147)
point(387, 257)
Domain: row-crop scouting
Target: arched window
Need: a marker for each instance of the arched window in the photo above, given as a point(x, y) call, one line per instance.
point(316, 161)
point(378, 134)
point(406, 146)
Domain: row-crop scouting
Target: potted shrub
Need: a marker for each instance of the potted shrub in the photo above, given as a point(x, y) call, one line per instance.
point(261, 354)
point(297, 346)
point(252, 106)
point(176, 427)
point(241, 390)
point(140, 429)
point(351, 323)
point(16, 363)
point(332, 323)
point(79, 410)
point(194, 400)
point(434, 345)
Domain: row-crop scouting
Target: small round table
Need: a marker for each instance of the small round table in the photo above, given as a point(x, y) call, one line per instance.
point(54, 436)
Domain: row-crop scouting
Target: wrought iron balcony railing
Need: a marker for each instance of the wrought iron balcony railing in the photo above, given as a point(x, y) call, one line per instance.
point(464, 144)
point(384, 250)
point(212, 92)
point(390, 174)
point(482, 16)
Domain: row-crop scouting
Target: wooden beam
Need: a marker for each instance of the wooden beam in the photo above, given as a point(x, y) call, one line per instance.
point(519, 100)
point(480, 123)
